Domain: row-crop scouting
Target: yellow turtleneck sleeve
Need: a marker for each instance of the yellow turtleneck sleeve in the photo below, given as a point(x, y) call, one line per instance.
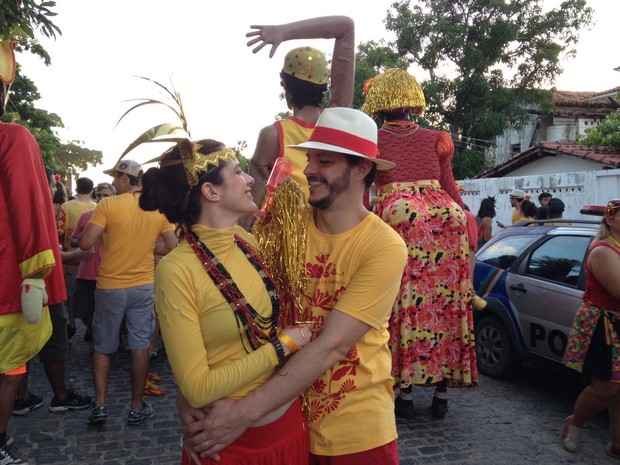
point(199, 328)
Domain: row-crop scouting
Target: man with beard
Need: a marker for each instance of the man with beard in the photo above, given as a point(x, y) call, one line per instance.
point(354, 262)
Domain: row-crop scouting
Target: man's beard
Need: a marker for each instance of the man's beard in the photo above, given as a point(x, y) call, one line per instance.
point(336, 187)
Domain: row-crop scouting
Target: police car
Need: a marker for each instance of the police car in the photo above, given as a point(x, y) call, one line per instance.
point(532, 277)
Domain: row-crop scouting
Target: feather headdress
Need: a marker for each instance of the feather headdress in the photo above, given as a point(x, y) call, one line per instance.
point(193, 161)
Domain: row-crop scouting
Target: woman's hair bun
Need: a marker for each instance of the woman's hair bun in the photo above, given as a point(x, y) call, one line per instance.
point(150, 188)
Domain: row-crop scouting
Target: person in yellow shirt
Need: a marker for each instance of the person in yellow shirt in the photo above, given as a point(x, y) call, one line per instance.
point(217, 304)
point(516, 197)
point(125, 284)
point(355, 263)
point(68, 217)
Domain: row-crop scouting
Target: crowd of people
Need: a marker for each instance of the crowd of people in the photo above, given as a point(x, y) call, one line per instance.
point(387, 304)
point(524, 211)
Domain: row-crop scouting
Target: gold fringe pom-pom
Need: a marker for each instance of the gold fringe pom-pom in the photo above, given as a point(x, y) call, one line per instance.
point(395, 89)
point(281, 234)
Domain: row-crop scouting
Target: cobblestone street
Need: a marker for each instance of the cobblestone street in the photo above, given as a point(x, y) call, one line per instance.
point(516, 421)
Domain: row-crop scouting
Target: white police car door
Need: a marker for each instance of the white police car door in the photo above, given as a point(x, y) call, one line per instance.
point(545, 292)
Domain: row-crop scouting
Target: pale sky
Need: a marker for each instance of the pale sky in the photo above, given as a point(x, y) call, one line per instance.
point(228, 93)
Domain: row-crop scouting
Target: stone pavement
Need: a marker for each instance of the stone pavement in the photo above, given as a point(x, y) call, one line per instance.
point(516, 421)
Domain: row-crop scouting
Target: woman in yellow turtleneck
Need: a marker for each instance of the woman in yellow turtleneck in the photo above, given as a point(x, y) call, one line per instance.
point(216, 302)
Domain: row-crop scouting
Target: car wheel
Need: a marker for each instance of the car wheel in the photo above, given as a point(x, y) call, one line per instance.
point(496, 356)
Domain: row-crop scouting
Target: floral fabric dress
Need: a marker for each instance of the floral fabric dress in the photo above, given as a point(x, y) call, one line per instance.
point(431, 327)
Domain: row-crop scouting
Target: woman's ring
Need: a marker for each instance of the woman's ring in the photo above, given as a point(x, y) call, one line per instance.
point(207, 444)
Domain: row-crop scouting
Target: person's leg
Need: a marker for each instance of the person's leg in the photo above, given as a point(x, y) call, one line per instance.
point(8, 389)
point(139, 371)
point(52, 356)
point(596, 397)
point(154, 342)
point(25, 401)
point(54, 352)
point(110, 306)
point(70, 274)
point(599, 395)
point(439, 406)
point(84, 304)
point(9, 383)
point(101, 374)
point(55, 372)
point(403, 403)
point(140, 320)
point(614, 422)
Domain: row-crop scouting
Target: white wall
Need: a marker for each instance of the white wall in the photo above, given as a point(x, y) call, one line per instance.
point(551, 165)
point(574, 189)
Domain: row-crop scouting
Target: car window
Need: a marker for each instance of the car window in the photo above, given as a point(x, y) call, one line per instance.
point(506, 250)
point(559, 259)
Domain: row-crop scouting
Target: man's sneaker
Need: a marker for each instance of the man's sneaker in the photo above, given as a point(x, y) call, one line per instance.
point(137, 417)
point(22, 407)
point(8, 456)
point(73, 401)
point(98, 415)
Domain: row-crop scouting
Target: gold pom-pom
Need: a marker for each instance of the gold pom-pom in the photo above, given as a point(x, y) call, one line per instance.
point(281, 234)
point(395, 89)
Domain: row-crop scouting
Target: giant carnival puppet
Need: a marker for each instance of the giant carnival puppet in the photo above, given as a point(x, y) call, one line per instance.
point(29, 250)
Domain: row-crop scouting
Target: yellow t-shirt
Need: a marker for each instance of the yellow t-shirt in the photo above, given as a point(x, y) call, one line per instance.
point(516, 215)
point(358, 273)
point(129, 241)
point(293, 131)
point(68, 217)
point(199, 327)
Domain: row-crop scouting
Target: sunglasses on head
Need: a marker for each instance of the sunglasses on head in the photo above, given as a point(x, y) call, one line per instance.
point(612, 206)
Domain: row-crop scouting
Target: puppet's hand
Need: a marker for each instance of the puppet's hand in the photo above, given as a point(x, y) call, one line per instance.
point(34, 298)
point(272, 35)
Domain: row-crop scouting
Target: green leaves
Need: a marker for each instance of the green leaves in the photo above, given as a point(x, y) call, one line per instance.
point(605, 134)
point(20, 19)
point(485, 58)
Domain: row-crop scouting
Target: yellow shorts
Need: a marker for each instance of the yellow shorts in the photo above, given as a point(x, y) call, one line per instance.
point(20, 341)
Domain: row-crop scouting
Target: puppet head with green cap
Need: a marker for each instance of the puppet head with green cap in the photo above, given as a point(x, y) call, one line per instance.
point(304, 76)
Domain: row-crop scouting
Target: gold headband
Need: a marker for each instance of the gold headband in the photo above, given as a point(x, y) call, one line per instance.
point(195, 162)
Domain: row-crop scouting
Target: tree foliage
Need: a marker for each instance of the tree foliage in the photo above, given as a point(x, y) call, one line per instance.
point(19, 19)
point(371, 59)
point(485, 58)
point(468, 163)
point(244, 163)
point(605, 134)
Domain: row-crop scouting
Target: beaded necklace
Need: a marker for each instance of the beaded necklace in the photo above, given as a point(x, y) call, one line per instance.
point(399, 128)
point(257, 328)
